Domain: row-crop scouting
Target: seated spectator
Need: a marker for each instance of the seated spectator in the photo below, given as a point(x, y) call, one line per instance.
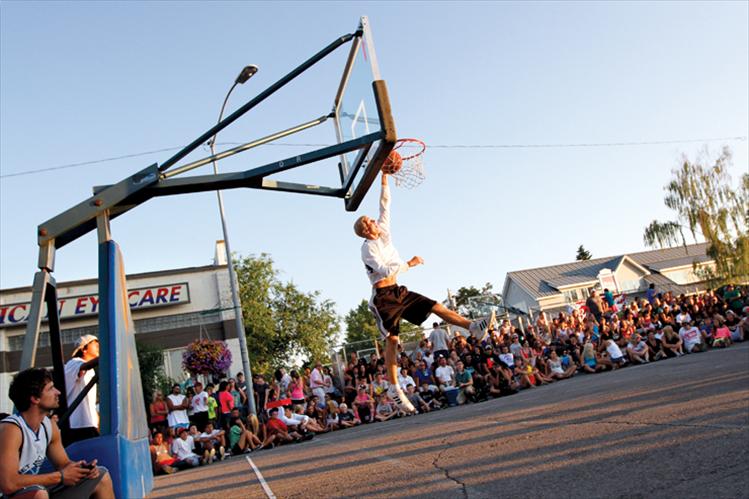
point(380, 384)
point(424, 379)
point(500, 381)
point(207, 452)
point(161, 459)
point(590, 359)
point(346, 417)
point(242, 440)
point(556, 371)
point(182, 448)
point(637, 350)
point(278, 432)
point(616, 357)
point(672, 343)
point(385, 409)
point(405, 379)
point(306, 423)
point(692, 338)
point(507, 357)
point(722, 336)
point(419, 403)
point(364, 406)
point(464, 382)
point(445, 375)
point(655, 347)
point(214, 439)
point(30, 436)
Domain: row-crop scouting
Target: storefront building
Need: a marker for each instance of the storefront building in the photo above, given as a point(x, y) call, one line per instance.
point(170, 308)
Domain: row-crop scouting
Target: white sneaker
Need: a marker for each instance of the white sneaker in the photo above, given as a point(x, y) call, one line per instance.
point(396, 395)
point(480, 327)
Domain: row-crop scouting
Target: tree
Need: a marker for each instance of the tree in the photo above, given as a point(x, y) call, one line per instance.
point(706, 203)
point(583, 254)
point(151, 363)
point(283, 323)
point(361, 326)
point(465, 293)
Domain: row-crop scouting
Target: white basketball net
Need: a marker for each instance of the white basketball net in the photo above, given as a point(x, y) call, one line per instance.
point(411, 173)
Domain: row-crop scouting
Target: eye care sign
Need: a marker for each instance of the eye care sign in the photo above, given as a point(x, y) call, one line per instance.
point(70, 307)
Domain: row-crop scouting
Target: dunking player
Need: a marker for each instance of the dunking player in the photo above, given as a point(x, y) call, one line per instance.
point(390, 302)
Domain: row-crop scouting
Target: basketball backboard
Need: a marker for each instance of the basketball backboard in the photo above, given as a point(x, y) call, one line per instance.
point(362, 108)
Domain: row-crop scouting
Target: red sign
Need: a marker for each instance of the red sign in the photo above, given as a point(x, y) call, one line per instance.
point(70, 307)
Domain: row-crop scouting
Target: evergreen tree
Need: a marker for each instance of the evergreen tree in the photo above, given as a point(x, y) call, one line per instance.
point(583, 254)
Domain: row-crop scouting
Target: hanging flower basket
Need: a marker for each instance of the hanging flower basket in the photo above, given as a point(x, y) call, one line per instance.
point(207, 357)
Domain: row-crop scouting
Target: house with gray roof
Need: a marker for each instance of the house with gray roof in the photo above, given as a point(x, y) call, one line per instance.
point(554, 288)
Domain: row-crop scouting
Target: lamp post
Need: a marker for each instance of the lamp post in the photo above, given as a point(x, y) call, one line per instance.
point(244, 75)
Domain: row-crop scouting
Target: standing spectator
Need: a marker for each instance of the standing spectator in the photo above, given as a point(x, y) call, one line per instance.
point(260, 390)
point(439, 340)
point(282, 383)
point(317, 382)
point(177, 405)
point(84, 421)
point(296, 389)
point(226, 404)
point(30, 436)
point(608, 297)
point(158, 411)
point(594, 305)
point(650, 294)
point(212, 405)
point(330, 385)
point(199, 404)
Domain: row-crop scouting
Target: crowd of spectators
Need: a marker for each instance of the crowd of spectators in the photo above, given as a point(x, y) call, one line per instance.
point(210, 423)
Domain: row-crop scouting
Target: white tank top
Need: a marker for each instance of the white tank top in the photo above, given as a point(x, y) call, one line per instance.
point(34, 445)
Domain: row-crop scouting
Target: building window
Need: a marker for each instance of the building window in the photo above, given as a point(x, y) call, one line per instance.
point(633, 285)
point(571, 296)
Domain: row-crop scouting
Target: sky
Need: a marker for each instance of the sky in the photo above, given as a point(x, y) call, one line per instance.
point(86, 81)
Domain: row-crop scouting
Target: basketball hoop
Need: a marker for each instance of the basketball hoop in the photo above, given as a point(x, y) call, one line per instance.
point(411, 174)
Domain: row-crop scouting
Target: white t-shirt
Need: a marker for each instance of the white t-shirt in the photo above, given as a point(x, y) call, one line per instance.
point(613, 349)
point(316, 380)
point(429, 359)
point(444, 374)
point(85, 415)
point(682, 317)
point(183, 448)
point(200, 402)
point(690, 337)
point(405, 381)
point(381, 259)
point(178, 416)
point(210, 436)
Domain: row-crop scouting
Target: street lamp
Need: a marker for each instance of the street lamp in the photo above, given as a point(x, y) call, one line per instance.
point(246, 73)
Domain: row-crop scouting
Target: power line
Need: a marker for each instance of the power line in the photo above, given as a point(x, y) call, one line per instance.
point(430, 146)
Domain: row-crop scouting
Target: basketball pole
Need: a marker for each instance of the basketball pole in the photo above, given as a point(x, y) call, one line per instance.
point(245, 75)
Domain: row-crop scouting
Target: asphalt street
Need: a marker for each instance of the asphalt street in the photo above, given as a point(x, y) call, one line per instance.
point(675, 428)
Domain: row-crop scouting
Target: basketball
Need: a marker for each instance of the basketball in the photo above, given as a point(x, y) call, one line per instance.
point(393, 163)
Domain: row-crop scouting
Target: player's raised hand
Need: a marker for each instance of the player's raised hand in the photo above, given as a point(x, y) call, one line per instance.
point(417, 260)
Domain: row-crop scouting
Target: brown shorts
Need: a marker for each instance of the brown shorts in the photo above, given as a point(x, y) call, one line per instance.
point(393, 303)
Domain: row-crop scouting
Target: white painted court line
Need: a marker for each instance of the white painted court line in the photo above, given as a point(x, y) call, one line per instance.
point(260, 478)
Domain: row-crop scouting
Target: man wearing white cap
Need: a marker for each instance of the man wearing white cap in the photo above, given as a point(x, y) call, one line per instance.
point(84, 421)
